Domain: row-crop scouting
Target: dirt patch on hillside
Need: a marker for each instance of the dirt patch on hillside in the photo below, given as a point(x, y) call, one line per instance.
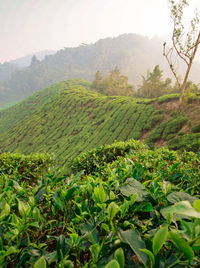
point(167, 105)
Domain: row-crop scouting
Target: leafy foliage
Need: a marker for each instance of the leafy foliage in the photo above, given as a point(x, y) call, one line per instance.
point(86, 220)
point(153, 86)
point(113, 84)
point(21, 165)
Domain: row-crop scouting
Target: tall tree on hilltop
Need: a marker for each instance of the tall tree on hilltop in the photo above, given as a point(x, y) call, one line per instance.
point(185, 44)
point(113, 84)
point(153, 86)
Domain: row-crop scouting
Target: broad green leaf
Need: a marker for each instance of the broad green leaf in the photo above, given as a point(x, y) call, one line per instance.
point(70, 193)
point(146, 207)
point(159, 239)
point(95, 250)
point(99, 194)
point(182, 208)
point(91, 232)
point(196, 205)
point(113, 264)
point(132, 186)
point(59, 203)
point(182, 245)
point(41, 263)
point(112, 210)
point(119, 257)
point(112, 195)
point(7, 209)
point(61, 246)
point(51, 257)
point(36, 213)
point(102, 194)
point(133, 239)
point(125, 208)
point(22, 207)
point(180, 196)
point(150, 255)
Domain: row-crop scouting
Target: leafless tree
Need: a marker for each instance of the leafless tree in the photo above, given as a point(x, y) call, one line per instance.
point(184, 43)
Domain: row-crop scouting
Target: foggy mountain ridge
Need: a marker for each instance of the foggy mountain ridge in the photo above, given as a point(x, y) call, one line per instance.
point(132, 53)
point(8, 68)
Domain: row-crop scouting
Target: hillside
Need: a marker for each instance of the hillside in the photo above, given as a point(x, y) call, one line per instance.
point(67, 119)
point(132, 53)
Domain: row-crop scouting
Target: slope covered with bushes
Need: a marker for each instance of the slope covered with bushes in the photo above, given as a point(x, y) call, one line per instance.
point(67, 119)
point(137, 208)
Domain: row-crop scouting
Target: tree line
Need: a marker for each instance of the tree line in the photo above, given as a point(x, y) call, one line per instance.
point(153, 85)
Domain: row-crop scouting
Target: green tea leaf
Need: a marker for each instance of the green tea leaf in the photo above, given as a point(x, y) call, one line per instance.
point(7, 209)
point(182, 208)
point(59, 203)
point(159, 239)
point(150, 255)
point(119, 256)
point(112, 210)
point(133, 239)
point(102, 194)
point(132, 186)
point(22, 207)
point(113, 264)
point(180, 196)
point(196, 205)
point(70, 193)
point(41, 263)
point(95, 250)
point(182, 245)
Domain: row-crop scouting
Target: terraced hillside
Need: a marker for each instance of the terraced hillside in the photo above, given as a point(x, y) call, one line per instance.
point(67, 119)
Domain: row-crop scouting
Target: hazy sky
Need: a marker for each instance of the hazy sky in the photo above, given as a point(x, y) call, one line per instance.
point(27, 26)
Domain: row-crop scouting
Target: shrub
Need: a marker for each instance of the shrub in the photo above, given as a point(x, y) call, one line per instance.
point(174, 125)
point(30, 166)
point(95, 159)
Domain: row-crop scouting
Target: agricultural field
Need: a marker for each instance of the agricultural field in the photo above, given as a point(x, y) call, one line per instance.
point(68, 119)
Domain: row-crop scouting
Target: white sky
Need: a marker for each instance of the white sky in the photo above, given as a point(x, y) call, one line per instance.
point(27, 26)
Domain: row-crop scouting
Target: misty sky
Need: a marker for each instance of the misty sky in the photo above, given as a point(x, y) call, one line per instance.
point(28, 26)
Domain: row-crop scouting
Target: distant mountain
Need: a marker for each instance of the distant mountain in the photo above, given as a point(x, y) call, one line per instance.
point(26, 61)
point(7, 69)
point(132, 53)
point(68, 118)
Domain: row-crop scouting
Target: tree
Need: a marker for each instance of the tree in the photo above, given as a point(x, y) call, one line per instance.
point(113, 84)
point(184, 44)
point(97, 80)
point(153, 86)
point(34, 60)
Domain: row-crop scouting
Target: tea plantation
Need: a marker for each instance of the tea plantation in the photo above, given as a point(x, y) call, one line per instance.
point(124, 205)
point(68, 119)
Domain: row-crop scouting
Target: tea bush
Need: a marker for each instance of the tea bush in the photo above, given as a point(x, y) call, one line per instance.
point(141, 209)
point(31, 166)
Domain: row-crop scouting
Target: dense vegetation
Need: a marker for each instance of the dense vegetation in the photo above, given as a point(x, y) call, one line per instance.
point(132, 53)
point(137, 208)
point(67, 119)
point(113, 84)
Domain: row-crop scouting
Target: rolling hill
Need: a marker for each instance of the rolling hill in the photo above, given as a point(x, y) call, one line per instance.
point(132, 53)
point(68, 118)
